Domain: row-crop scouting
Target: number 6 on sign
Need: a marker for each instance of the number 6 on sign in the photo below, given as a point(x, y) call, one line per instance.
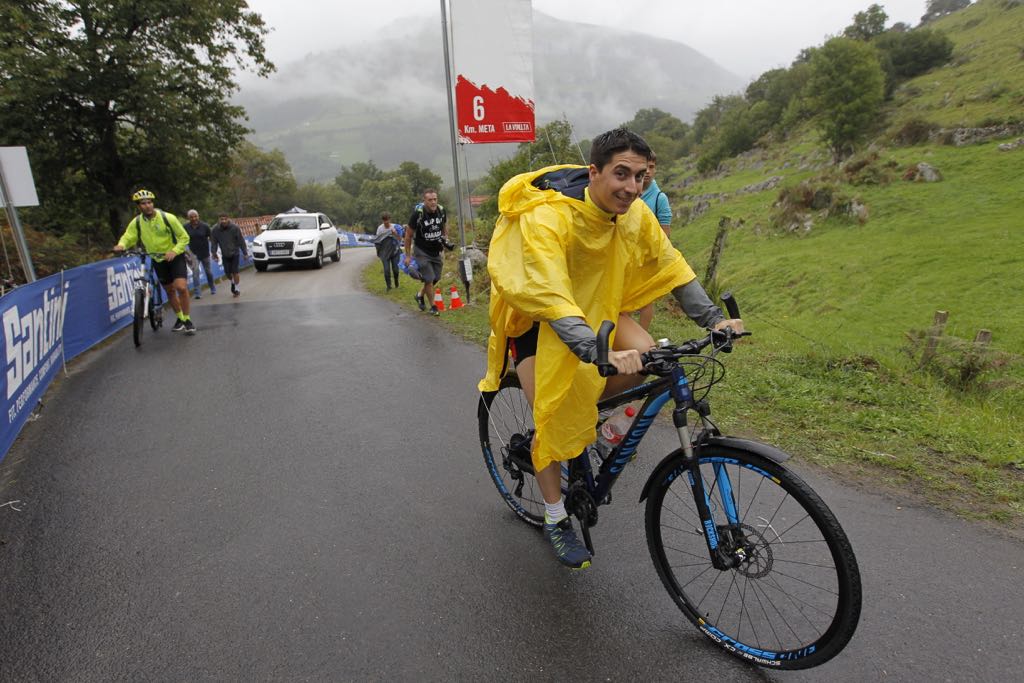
point(478, 108)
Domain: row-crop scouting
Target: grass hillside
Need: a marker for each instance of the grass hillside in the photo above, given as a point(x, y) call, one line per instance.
point(832, 373)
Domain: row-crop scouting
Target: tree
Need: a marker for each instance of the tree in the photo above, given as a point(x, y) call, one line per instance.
point(326, 197)
point(867, 24)
point(373, 191)
point(352, 177)
point(257, 183)
point(940, 8)
point(905, 55)
point(668, 136)
point(847, 88)
point(109, 95)
point(419, 178)
point(707, 120)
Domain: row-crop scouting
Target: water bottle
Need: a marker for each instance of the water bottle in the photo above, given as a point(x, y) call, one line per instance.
point(614, 428)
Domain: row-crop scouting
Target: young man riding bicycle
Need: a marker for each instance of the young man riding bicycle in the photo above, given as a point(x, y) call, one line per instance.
point(572, 248)
point(164, 239)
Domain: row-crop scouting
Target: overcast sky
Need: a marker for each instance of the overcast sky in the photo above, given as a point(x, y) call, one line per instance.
point(746, 37)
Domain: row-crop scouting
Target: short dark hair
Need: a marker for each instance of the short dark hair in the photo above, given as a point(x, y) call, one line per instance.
point(385, 216)
point(429, 190)
point(607, 145)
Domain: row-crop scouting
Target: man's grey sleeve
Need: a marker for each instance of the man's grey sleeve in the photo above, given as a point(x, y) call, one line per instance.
point(578, 336)
point(697, 305)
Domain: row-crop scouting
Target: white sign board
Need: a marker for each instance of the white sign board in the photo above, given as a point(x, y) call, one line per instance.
point(18, 177)
point(493, 60)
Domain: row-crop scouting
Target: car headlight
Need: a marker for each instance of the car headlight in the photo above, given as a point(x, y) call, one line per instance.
point(309, 241)
point(257, 245)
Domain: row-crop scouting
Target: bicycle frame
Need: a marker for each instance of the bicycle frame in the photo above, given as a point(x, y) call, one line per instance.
point(147, 282)
point(657, 393)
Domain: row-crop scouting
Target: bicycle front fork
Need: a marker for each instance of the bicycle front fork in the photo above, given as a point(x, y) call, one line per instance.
point(723, 556)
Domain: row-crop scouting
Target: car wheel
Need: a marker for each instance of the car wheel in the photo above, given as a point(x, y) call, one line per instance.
point(336, 256)
point(318, 261)
point(260, 267)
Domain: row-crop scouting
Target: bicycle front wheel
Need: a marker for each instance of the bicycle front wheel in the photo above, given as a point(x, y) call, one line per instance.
point(139, 321)
point(793, 600)
point(506, 436)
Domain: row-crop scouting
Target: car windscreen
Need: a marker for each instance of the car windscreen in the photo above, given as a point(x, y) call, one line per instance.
point(293, 223)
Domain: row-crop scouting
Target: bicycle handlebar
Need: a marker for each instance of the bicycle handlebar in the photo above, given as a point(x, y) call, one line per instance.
point(604, 368)
point(670, 353)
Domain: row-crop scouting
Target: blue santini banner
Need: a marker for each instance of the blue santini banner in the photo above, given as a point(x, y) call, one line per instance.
point(54, 319)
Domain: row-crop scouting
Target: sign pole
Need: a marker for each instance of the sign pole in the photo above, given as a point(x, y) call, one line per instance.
point(465, 267)
point(19, 235)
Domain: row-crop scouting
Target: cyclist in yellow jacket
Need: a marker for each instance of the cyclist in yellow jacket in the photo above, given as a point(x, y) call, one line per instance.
point(164, 238)
point(571, 249)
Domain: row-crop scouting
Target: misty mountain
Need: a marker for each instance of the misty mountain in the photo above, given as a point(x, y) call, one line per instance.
point(384, 100)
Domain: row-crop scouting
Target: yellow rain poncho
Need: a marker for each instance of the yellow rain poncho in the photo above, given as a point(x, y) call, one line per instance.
point(553, 256)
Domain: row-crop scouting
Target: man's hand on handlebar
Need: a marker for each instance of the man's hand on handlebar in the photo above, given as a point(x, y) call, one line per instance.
point(626, 362)
point(735, 324)
point(117, 249)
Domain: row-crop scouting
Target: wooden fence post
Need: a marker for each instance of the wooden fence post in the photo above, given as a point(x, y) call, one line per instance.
point(716, 250)
point(932, 342)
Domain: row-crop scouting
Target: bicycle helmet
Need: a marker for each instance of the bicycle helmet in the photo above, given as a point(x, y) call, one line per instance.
point(142, 194)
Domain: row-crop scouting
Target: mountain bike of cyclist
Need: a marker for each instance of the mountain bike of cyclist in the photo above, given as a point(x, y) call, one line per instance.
point(571, 248)
point(164, 238)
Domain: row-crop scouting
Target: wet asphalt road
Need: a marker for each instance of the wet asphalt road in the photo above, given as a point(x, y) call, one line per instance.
point(304, 499)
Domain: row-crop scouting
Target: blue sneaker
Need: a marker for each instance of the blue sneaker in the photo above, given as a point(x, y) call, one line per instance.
point(569, 550)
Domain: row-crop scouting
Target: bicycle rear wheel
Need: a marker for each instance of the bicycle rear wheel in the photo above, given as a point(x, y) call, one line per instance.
point(139, 321)
point(794, 600)
point(506, 435)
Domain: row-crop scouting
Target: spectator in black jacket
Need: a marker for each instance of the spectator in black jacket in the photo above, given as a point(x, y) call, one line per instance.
point(228, 240)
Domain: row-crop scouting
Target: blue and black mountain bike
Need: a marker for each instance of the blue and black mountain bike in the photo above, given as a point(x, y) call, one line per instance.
point(749, 553)
point(148, 297)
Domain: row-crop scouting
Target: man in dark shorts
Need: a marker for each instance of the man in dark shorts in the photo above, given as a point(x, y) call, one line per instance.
point(228, 240)
point(165, 240)
point(571, 248)
point(425, 237)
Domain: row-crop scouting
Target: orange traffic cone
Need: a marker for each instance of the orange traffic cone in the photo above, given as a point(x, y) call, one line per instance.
point(456, 301)
point(438, 300)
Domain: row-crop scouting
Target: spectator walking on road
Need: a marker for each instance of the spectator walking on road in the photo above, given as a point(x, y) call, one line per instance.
point(228, 240)
point(165, 241)
point(425, 237)
point(389, 249)
point(199, 247)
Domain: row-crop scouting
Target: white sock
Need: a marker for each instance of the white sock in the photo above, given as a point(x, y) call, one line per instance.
point(554, 512)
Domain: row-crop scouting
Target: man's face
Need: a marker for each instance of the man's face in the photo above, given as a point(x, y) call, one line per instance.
point(619, 183)
point(146, 206)
point(224, 220)
point(193, 218)
point(430, 201)
point(649, 176)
